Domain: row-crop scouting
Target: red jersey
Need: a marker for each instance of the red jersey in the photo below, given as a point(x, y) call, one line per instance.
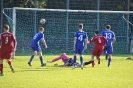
point(8, 41)
point(0, 52)
point(99, 41)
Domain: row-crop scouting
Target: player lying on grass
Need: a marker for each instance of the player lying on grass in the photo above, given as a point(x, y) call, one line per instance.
point(99, 40)
point(66, 60)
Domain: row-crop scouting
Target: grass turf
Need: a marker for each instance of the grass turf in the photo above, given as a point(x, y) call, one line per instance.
point(118, 75)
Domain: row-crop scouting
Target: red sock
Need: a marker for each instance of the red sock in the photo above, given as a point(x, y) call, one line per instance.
point(10, 63)
point(92, 63)
point(1, 68)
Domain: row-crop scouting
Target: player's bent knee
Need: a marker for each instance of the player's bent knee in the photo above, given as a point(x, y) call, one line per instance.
point(40, 53)
point(35, 53)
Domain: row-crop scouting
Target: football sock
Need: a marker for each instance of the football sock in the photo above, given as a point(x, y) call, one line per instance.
point(81, 60)
point(32, 56)
point(99, 61)
point(92, 63)
point(41, 60)
point(74, 61)
point(109, 61)
point(10, 63)
point(106, 57)
point(1, 68)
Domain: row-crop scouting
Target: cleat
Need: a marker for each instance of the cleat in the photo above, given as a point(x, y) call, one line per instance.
point(12, 69)
point(73, 67)
point(29, 64)
point(44, 64)
point(82, 67)
point(2, 74)
point(99, 61)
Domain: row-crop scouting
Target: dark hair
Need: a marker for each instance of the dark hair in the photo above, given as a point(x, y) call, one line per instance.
point(80, 25)
point(108, 27)
point(97, 32)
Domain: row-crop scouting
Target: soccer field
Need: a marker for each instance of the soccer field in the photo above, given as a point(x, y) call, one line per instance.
point(118, 75)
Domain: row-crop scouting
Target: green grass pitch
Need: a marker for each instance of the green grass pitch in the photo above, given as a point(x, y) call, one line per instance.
point(118, 75)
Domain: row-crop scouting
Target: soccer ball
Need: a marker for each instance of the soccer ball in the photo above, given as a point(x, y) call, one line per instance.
point(42, 21)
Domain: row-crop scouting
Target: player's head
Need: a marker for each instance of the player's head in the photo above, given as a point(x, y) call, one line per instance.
point(108, 27)
point(6, 28)
point(41, 29)
point(80, 26)
point(96, 32)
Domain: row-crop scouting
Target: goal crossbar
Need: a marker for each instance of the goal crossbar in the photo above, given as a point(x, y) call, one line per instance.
point(67, 10)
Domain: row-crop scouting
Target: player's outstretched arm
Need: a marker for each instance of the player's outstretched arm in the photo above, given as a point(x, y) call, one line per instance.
point(44, 42)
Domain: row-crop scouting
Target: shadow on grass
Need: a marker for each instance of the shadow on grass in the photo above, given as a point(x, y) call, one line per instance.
point(50, 68)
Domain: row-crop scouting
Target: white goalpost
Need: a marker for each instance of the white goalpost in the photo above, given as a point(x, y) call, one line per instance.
point(66, 20)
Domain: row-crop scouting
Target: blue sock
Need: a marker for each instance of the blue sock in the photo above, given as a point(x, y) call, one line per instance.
point(74, 64)
point(31, 58)
point(109, 61)
point(41, 60)
point(81, 60)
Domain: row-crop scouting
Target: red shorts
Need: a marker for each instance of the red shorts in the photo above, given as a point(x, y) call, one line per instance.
point(97, 52)
point(6, 53)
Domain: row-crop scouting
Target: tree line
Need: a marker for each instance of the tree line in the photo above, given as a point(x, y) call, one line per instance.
point(74, 4)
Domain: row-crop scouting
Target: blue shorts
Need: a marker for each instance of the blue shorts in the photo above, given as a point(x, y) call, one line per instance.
point(108, 50)
point(79, 50)
point(36, 48)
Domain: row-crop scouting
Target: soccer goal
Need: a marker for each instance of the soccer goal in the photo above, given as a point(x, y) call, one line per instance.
point(61, 24)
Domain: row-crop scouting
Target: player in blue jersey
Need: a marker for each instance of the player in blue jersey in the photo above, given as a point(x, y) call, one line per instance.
point(80, 44)
point(110, 35)
point(36, 47)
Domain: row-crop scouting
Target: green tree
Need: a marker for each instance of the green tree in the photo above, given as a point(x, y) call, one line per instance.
point(131, 5)
point(24, 3)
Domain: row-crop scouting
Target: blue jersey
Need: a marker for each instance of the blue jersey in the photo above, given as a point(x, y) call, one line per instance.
point(35, 41)
point(109, 35)
point(80, 36)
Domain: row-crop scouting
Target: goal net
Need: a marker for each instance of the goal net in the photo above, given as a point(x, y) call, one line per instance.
point(61, 24)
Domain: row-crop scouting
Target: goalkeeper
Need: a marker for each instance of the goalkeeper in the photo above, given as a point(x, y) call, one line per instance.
point(65, 58)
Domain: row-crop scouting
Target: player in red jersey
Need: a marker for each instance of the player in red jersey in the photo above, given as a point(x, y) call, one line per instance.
point(8, 45)
point(99, 40)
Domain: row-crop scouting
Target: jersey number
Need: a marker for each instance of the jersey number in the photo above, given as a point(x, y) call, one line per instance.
point(108, 35)
point(99, 40)
point(80, 37)
point(6, 40)
point(35, 36)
